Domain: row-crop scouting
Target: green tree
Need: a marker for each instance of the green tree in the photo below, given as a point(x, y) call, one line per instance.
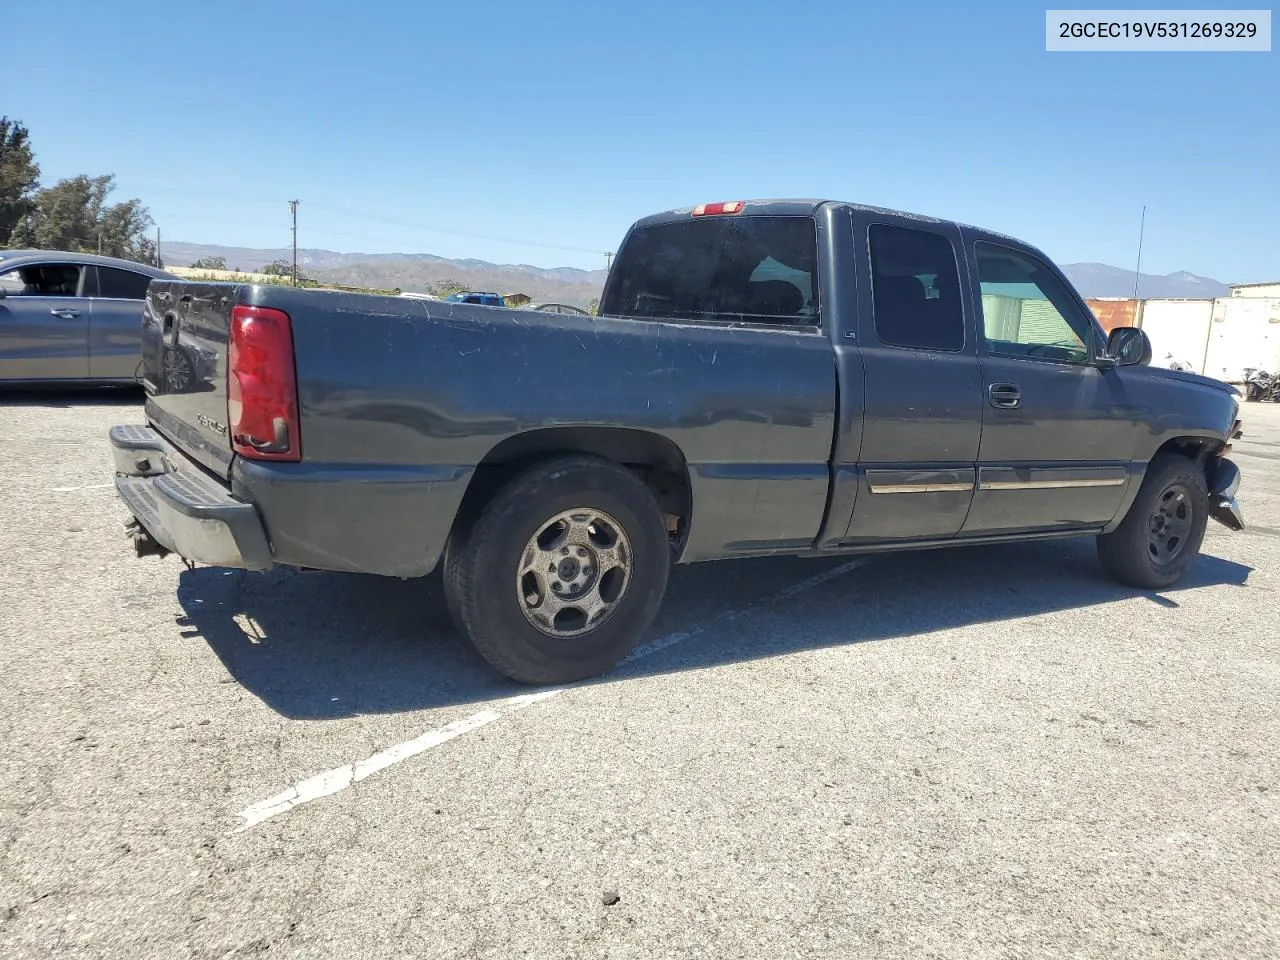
point(74, 214)
point(19, 176)
point(210, 263)
point(594, 307)
point(284, 270)
point(444, 288)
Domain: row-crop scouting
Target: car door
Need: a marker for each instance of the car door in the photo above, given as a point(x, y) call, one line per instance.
point(1058, 430)
point(44, 323)
point(922, 388)
point(115, 323)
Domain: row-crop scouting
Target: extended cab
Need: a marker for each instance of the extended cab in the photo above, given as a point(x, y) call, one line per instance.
point(764, 378)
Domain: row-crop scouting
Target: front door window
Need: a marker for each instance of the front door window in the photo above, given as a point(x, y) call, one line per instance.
point(1026, 309)
point(46, 280)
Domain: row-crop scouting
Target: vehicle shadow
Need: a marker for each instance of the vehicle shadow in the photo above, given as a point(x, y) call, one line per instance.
point(327, 646)
point(66, 397)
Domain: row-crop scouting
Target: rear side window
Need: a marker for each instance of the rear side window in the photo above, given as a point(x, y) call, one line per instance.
point(760, 270)
point(915, 287)
point(122, 284)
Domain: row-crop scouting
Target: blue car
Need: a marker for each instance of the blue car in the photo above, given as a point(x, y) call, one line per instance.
point(483, 299)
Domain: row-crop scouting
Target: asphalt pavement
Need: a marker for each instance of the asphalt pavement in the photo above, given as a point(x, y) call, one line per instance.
point(979, 752)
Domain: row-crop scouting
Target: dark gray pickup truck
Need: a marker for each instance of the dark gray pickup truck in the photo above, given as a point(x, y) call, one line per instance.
point(765, 378)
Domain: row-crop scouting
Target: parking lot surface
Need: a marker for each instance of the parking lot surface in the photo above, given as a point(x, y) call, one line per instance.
point(989, 751)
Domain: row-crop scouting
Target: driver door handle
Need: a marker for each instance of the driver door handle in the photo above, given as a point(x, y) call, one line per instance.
point(1005, 396)
point(65, 313)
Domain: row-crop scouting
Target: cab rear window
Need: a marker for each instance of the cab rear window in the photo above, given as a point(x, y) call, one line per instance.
point(753, 269)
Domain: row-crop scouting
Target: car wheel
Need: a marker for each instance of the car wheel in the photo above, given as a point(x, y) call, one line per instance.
point(559, 574)
point(1159, 539)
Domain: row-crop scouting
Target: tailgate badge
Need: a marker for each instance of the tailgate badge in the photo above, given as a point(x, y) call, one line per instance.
point(212, 424)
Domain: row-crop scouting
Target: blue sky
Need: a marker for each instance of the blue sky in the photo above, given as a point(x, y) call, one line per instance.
point(559, 123)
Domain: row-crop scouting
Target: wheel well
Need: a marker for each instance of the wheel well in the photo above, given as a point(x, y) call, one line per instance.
point(1195, 449)
point(656, 460)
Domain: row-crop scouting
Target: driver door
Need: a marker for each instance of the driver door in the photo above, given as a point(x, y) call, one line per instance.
point(44, 323)
point(1058, 431)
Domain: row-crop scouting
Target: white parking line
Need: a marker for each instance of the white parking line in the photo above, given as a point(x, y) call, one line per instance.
point(340, 778)
point(91, 486)
point(332, 781)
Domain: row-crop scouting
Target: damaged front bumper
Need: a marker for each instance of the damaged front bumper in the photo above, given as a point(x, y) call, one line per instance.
point(178, 508)
point(1223, 478)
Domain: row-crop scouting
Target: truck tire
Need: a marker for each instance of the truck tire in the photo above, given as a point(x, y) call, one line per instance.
point(1159, 539)
point(557, 576)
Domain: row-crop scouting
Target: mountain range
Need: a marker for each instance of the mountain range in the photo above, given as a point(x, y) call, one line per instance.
point(1100, 280)
point(406, 271)
point(418, 271)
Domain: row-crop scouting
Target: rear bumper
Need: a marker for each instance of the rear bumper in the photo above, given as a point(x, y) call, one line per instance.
point(181, 507)
point(390, 520)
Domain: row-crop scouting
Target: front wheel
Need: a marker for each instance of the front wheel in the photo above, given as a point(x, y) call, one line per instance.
point(560, 573)
point(1252, 392)
point(1159, 539)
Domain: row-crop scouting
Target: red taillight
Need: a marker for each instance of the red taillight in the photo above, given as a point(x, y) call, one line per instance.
point(262, 391)
point(716, 209)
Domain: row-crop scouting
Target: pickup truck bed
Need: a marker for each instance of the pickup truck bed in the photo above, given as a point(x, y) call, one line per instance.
point(784, 377)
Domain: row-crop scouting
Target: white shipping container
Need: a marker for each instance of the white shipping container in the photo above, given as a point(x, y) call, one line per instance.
point(1267, 291)
point(1245, 332)
point(1178, 331)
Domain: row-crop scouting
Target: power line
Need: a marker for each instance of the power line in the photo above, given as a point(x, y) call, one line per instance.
point(293, 212)
point(320, 232)
point(457, 233)
point(395, 221)
point(315, 231)
point(205, 195)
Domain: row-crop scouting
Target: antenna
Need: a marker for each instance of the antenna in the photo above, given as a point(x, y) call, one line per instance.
point(1137, 271)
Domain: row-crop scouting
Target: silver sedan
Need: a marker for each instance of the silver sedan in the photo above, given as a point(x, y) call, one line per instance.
point(556, 308)
point(71, 317)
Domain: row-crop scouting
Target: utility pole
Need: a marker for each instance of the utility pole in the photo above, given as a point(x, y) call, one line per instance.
point(1138, 269)
point(293, 212)
point(159, 259)
point(608, 260)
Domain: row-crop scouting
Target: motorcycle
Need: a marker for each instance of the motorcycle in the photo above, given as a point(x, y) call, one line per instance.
point(1260, 385)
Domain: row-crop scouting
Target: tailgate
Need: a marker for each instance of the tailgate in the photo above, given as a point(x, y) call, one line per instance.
point(184, 367)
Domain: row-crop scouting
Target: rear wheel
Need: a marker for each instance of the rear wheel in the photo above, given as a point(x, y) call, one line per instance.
point(559, 574)
point(1160, 538)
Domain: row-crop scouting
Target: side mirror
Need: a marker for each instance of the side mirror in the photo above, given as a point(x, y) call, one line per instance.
point(1128, 346)
point(3, 293)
